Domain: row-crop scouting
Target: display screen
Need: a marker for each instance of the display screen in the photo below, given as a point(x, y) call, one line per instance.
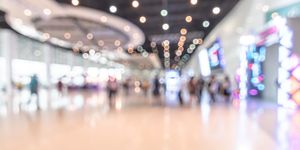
point(215, 54)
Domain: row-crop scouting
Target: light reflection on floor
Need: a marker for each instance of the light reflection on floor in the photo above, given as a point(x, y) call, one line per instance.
point(83, 120)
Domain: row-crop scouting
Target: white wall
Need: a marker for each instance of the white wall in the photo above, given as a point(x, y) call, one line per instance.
point(247, 17)
point(271, 66)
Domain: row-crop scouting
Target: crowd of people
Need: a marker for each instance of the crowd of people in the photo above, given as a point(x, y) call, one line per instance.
point(216, 89)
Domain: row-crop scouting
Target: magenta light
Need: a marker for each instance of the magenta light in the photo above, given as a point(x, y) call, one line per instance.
point(253, 92)
point(260, 78)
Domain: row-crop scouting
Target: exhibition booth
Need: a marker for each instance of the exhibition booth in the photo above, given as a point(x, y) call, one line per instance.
point(255, 45)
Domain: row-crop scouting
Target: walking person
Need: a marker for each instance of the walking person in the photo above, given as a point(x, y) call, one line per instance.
point(60, 87)
point(213, 87)
point(192, 87)
point(126, 86)
point(180, 90)
point(200, 87)
point(156, 89)
point(112, 89)
point(34, 88)
point(145, 87)
point(226, 88)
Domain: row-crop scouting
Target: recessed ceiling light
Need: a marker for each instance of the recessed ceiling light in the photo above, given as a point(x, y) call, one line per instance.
point(180, 43)
point(75, 2)
point(27, 12)
point(117, 43)
point(130, 50)
point(47, 11)
point(135, 3)
point(103, 19)
point(67, 35)
point(216, 10)
point(194, 2)
point(140, 48)
point(188, 19)
point(127, 28)
point(166, 42)
point(197, 41)
point(101, 43)
point(143, 19)
point(165, 26)
point(153, 44)
point(183, 38)
point(163, 12)
point(178, 53)
point(113, 9)
point(145, 54)
point(205, 24)
point(167, 55)
point(189, 50)
point(180, 48)
point(183, 31)
point(192, 46)
point(85, 55)
point(90, 36)
point(46, 35)
point(166, 47)
point(92, 52)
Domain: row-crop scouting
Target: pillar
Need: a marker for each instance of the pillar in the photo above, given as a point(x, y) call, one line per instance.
point(9, 48)
point(47, 59)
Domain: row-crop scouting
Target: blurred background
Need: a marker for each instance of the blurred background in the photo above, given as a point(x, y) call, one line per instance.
point(206, 70)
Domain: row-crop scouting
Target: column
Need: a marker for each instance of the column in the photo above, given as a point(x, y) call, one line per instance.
point(47, 59)
point(9, 48)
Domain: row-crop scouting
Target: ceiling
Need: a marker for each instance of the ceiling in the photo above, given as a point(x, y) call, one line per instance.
point(93, 34)
point(177, 12)
point(73, 29)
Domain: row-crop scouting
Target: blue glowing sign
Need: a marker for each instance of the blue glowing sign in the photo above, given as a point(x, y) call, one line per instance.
point(255, 57)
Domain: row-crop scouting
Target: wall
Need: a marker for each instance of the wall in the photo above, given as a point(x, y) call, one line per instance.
point(294, 24)
point(271, 66)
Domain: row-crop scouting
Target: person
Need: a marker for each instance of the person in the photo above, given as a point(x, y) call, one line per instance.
point(112, 88)
point(19, 86)
point(180, 90)
point(34, 88)
point(145, 87)
point(200, 86)
point(60, 86)
point(192, 89)
point(213, 88)
point(226, 88)
point(156, 88)
point(126, 86)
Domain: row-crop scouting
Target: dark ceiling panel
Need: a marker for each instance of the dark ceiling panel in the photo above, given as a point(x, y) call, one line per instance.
point(177, 11)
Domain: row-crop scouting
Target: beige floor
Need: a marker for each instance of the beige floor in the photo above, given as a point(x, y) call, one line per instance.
point(135, 125)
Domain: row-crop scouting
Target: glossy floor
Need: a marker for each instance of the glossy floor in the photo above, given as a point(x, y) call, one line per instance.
point(83, 120)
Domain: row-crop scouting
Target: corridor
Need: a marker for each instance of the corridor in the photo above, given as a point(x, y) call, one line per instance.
point(137, 123)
